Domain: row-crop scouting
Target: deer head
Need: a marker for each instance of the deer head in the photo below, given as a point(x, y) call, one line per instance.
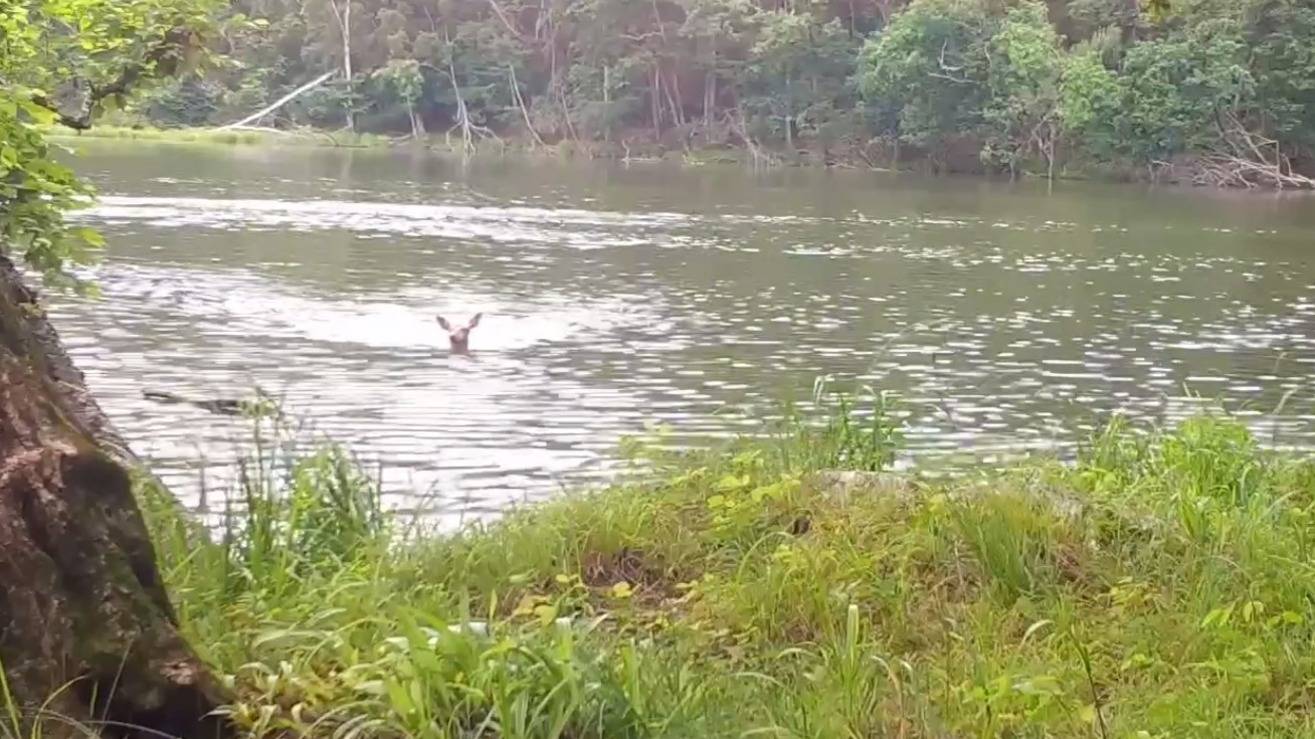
point(459, 338)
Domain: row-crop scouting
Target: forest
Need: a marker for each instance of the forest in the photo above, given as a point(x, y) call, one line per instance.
point(1216, 92)
point(786, 583)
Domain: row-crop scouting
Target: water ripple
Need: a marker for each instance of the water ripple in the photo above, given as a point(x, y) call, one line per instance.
point(1011, 322)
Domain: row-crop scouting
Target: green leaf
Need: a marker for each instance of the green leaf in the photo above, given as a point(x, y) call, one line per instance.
point(546, 613)
point(97, 42)
point(91, 236)
point(732, 482)
point(40, 114)
point(400, 698)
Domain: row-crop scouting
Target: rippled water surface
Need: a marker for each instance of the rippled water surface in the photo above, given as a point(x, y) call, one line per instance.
point(1009, 317)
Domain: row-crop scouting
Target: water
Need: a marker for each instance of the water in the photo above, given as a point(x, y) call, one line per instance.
point(1009, 317)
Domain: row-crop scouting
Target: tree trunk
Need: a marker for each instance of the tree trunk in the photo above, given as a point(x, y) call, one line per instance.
point(347, 64)
point(709, 96)
point(557, 87)
point(607, 102)
point(87, 634)
point(673, 95)
point(656, 103)
point(344, 19)
point(417, 123)
point(520, 103)
point(463, 114)
point(789, 118)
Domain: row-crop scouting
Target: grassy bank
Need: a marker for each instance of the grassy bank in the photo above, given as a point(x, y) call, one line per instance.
point(263, 137)
point(435, 142)
point(647, 151)
point(1161, 587)
point(851, 157)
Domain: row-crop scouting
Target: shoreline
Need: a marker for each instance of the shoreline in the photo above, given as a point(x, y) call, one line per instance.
point(784, 587)
point(1111, 174)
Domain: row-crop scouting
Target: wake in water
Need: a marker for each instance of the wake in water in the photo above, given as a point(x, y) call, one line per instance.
point(1005, 333)
point(240, 303)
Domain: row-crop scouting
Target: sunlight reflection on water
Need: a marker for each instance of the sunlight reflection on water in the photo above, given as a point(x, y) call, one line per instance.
point(1010, 321)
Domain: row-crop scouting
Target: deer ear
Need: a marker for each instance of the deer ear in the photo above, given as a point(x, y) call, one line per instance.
point(443, 322)
point(475, 321)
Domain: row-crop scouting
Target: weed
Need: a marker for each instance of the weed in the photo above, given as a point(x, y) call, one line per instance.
point(1174, 600)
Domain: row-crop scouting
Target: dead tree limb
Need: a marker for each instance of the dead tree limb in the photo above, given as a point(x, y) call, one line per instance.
point(254, 117)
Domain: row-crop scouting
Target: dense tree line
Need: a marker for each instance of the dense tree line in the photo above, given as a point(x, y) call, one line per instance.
point(1221, 91)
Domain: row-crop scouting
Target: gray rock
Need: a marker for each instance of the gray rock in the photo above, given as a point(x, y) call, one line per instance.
point(843, 486)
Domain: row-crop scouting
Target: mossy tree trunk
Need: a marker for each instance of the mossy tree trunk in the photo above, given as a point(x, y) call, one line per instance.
point(88, 637)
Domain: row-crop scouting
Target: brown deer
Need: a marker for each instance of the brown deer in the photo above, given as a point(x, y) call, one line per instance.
point(459, 338)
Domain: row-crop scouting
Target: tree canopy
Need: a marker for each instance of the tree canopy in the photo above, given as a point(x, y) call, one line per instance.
point(1012, 84)
point(65, 61)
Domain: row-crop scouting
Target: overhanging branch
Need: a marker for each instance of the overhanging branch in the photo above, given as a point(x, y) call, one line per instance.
point(75, 101)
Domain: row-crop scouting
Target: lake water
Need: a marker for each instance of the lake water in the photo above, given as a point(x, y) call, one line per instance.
point(1009, 317)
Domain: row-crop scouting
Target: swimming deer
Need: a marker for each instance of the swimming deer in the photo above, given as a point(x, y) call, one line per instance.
point(458, 339)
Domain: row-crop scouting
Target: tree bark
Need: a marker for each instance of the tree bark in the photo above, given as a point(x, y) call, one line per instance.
point(607, 102)
point(709, 95)
point(520, 103)
point(673, 95)
point(656, 102)
point(344, 19)
point(88, 637)
point(417, 123)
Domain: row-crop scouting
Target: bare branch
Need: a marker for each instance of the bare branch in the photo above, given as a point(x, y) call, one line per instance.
point(945, 66)
point(281, 101)
point(502, 16)
point(947, 71)
point(641, 37)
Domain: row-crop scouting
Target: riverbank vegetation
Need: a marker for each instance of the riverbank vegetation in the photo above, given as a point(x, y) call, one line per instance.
point(1160, 587)
point(1205, 91)
point(222, 136)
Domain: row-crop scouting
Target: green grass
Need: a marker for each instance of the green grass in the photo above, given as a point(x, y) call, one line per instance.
point(1160, 587)
point(222, 136)
point(129, 128)
point(312, 137)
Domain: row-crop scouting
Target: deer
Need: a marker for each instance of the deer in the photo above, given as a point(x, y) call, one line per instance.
point(459, 338)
